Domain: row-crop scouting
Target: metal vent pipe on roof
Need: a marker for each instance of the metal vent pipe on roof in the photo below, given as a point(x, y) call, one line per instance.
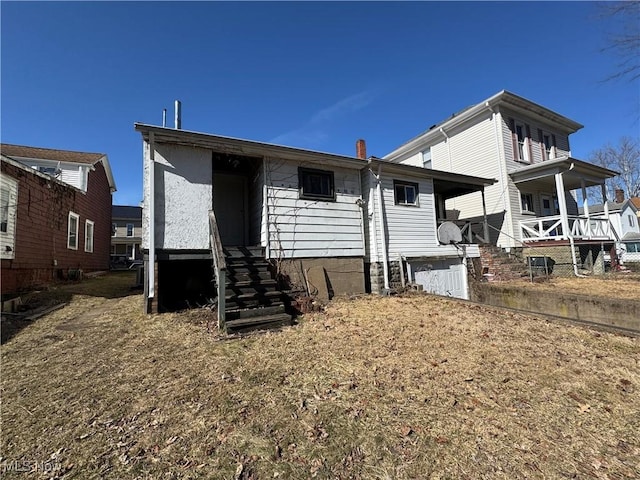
point(164, 117)
point(178, 117)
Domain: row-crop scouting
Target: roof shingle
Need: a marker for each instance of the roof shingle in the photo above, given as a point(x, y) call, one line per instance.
point(49, 154)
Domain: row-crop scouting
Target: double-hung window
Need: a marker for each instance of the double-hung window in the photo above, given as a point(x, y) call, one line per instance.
point(316, 184)
point(426, 158)
point(88, 236)
point(405, 193)
point(72, 231)
point(526, 203)
point(129, 229)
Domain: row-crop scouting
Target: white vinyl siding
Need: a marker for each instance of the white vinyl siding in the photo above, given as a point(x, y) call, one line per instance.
point(410, 231)
point(300, 228)
point(71, 173)
point(8, 210)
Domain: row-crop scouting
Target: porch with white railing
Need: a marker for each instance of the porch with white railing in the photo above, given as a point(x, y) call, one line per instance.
point(576, 227)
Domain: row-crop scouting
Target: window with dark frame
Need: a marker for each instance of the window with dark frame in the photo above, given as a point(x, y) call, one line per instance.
point(405, 193)
point(526, 202)
point(129, 229)
point(316, 184)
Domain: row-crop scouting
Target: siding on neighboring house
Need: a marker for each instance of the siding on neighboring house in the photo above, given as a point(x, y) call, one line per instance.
point(43, 206)
point(300, 228)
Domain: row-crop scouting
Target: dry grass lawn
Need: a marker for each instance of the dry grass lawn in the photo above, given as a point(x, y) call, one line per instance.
point(371, 388)
point(618, 285)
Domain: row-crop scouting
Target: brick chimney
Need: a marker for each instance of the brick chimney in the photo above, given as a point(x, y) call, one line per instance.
point(619, 195)
point(361, 149)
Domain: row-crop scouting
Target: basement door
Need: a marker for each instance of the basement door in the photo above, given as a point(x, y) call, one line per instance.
point(229, 205)
point(443, 277)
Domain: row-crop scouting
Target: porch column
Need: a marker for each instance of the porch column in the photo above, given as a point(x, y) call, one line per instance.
point(562, 203)
point(585, 207)
point(484, 218)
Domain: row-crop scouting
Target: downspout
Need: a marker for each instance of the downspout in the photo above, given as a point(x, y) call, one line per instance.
point(361, 204)
point(453, 200)
point(385, 259)
point(373, 220)
point(152, 234)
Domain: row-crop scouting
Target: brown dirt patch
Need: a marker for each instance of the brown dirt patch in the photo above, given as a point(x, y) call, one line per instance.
point(396, 387)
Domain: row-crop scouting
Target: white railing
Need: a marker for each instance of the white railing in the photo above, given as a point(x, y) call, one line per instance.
point(472, 232)
point(580, 228)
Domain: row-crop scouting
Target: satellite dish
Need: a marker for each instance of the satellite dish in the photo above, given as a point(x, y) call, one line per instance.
point(449, 233)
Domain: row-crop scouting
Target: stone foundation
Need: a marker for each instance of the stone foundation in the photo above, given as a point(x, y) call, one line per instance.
point(376, 274)
point(590, 258)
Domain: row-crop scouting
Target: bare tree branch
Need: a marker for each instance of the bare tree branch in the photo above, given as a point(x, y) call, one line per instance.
point(624, 158)
point(625, 43)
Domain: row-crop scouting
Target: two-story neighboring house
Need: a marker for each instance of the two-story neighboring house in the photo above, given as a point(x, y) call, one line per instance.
point(55, 215)
point(126, 234)
point(525, 146)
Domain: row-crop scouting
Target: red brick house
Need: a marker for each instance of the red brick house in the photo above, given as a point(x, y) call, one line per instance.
point(55, 215)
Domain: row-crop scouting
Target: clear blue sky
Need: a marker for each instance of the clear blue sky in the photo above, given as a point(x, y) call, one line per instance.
point(78, 75)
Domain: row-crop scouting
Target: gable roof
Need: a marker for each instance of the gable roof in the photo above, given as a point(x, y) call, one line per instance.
point(503, 98)
point(18, 152)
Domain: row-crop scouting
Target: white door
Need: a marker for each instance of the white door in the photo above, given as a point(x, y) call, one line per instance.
point(443, 277)
point(229, 205)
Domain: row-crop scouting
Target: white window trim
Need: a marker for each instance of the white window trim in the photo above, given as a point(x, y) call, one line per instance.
point(133, 230)
point(88, 243)
point(77, 218)
point(427, 159)
point(416, 193)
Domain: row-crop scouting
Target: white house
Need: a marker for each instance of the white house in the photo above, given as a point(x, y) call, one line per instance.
point(321, 221)
point(623, 215)
point(524, 146)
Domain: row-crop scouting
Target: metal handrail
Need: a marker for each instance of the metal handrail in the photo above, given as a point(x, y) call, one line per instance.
point(219, 268)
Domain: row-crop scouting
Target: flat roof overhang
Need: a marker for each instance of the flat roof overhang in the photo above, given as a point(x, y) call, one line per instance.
point(447, 184)
point(574, 173)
